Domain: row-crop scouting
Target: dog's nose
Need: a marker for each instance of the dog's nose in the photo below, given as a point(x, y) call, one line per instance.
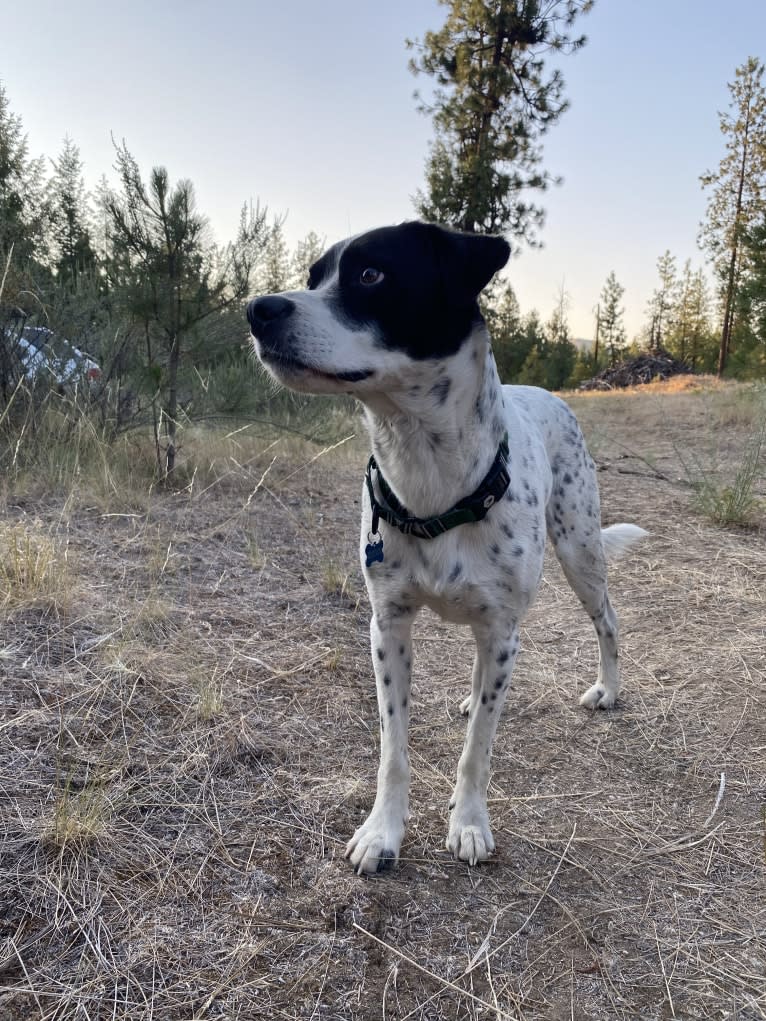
point(265, 310)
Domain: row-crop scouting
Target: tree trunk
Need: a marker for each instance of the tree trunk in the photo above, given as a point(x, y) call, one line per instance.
point(172, 408)
point(728, 316)
point(595, 345)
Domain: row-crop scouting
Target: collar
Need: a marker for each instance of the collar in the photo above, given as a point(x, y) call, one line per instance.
point(471, 508)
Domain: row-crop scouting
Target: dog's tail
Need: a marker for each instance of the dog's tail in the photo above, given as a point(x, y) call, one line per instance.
point(617, 539)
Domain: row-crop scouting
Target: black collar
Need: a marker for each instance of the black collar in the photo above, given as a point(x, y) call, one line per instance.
point(471, 508)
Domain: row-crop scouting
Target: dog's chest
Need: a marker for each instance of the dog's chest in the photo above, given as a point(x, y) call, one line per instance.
point(467, 574)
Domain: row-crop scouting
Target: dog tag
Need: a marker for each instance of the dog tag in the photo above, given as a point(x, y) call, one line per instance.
point(373, 552)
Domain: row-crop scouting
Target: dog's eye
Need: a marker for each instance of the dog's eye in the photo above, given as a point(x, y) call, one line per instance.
point(371, 276)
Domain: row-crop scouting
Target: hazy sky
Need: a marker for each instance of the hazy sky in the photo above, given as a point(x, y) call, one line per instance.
point(309, 107)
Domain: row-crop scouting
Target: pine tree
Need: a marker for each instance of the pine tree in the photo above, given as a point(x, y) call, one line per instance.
point(494, 101)
point(612, 330)
point(663, 301)
point(750, 356)
point(560, 353)
point(509, 340)
point(303, 258)
point(22, 208)
point(171, 276)
point(70, 215)
point(738, 198)
point(275, 274)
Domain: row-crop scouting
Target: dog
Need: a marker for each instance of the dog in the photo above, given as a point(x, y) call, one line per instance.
point(466, 480)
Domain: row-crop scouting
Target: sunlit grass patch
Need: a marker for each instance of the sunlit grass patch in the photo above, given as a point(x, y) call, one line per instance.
point(734, 501)
point(33, 568)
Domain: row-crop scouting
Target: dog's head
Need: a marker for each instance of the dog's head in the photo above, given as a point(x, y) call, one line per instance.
point(376, 305)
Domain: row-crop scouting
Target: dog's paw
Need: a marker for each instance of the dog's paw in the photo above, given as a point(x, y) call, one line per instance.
point(597, 697)
point(465, 706)
point(470, 838)
point(375, 846)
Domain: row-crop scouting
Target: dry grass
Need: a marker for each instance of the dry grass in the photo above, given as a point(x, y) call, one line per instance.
point(34, 568)
point(184, 752)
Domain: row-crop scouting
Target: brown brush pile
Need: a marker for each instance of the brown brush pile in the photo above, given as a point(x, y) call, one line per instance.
point(644, 368)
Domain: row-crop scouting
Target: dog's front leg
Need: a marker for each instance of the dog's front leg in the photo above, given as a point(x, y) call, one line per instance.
point(375, 845)
point(470, 837)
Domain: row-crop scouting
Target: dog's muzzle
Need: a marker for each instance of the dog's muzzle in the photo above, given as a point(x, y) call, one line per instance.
point(262, 312)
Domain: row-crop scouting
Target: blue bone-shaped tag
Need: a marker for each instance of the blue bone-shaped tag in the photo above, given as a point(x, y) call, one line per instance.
point(373, 552)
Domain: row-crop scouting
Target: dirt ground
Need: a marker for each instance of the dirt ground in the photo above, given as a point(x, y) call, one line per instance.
point(188, 736)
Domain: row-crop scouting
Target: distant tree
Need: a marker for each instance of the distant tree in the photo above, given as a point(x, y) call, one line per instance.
point(274, 274)
point(663, 301)
point(22, 205)
point(305, 255)
point(494, 101)
point(70, 216)
point(511, 342)
point(689, 334)
point(533, 372)
point(738, 196)
point(751, 359)
point(584, 367)
point(612, 329)
point(172, 276)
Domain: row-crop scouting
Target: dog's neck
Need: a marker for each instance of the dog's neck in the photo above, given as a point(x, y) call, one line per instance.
point(436, 435)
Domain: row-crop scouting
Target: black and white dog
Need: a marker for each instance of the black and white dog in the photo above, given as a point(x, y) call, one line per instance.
point(467, 477)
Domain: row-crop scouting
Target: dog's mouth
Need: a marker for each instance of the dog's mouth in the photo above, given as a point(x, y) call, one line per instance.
point(281, 363)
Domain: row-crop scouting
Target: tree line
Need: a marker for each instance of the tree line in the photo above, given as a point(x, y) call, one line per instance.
point(496, 95)
point(129, 270)
point(130, 274)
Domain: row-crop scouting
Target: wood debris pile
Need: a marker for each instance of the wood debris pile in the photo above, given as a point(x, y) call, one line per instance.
point(636, 371)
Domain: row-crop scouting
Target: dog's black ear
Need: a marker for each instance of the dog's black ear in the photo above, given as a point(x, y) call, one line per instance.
point(469, 261)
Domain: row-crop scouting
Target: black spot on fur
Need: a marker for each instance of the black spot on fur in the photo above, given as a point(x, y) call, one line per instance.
point(567, 479)
point(386, 680)
point(483, 699)
point(401, 650)
point(456, 572)
point(440, 390)
point(518, 551)
point(404, 702)
point(381, 654)
point(503, 657)
point(506, 530)
point(499, 681)
point(390, 709)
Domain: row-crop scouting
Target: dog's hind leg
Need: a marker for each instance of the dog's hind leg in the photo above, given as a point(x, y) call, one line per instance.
point(580, 551)
point(375, 845)
point(470, 837)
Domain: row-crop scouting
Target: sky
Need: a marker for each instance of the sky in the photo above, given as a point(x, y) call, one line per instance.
point(308, 108)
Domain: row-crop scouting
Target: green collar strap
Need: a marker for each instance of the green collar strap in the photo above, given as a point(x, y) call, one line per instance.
point(472, 508)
